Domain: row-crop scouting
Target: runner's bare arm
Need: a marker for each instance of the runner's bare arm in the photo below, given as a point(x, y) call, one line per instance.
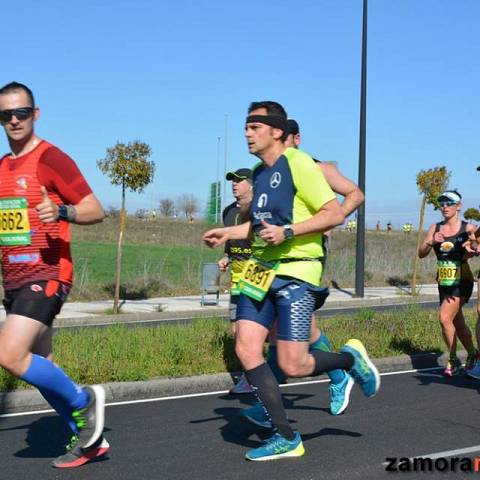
point(88, 211)
point(329, 216)
point(427, 243)
point(218, 236)
point(353, 196)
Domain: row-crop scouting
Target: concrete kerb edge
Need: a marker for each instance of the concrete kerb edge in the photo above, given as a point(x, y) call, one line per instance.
point(93, 319)
point(31, 400)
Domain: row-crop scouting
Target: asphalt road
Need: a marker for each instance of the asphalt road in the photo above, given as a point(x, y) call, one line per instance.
point(203, 437)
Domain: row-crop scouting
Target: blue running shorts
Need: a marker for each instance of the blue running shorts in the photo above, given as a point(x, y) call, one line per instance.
point(289, 301)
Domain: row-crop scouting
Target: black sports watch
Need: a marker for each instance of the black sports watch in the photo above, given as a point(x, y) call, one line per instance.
point(63, 212)
point(67, 213)
point(288, 232)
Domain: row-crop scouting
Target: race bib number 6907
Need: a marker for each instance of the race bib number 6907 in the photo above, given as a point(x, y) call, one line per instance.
point(449, 272)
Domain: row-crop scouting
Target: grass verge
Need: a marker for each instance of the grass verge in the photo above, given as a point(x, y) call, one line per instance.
point(119, 353)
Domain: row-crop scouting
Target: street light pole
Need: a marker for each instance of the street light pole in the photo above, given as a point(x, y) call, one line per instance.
point(360, 247)
point(225, 137)
point(217, 185)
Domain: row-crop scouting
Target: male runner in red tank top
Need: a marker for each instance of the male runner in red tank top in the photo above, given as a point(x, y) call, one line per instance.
point(41, 192)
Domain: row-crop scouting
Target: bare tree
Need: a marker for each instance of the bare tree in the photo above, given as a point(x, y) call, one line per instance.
point(141, 213)
point(112, 211)
point(167, 207)
point(188, 204)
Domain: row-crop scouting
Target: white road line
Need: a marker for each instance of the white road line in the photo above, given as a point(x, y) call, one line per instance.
point(452, 453)
point(446, 454)
point(219, 392)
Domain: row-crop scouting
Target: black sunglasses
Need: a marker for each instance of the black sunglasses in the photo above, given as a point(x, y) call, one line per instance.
point(21, 113)
point(447, 203)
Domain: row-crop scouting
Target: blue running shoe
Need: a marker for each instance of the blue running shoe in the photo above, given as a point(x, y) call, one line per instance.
point(340, 395)
point(257, 415)
point(242, 386)
point(363, 370)
point(475, 371)
point(277, 447)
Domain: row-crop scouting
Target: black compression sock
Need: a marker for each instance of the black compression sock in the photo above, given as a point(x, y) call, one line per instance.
point(263, 381)
point(326, 361)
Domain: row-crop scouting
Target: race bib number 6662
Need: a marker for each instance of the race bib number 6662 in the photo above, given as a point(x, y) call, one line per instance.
point(14, 222)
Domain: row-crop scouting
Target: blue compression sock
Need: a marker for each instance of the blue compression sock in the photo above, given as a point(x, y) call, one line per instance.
point(273, 364)
point(45, 375)
point(61, 408)
point(323, 344)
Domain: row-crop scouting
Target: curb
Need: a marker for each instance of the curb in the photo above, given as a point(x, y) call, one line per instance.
point(31, 400)
point(176, 316)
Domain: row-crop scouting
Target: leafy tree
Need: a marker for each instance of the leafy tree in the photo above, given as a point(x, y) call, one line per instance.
point(167, 207)
point(472, 214)
point(430, 183)
point(188, 204)
point(126, 165)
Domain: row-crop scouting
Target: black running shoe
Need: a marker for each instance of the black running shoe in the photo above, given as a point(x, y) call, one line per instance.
point(91, 419)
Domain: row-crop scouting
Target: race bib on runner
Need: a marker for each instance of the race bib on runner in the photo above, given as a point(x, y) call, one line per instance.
point(14, 222)
point(257, 277)
point(449, 272)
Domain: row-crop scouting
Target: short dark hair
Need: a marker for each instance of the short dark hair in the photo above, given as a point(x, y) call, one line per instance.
point(293, 127)
point(272, 108)
point(15, 86)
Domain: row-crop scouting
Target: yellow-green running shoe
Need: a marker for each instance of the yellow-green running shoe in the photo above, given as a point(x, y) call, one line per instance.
point(277, 447)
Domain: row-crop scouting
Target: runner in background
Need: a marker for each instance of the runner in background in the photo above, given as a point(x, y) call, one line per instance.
point(473, 247)
point(454, 277)
point(237, 251)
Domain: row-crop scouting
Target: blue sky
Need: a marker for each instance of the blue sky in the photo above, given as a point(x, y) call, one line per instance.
point(167, 73)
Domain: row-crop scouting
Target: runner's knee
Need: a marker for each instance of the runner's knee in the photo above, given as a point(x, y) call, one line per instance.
point(12, 359)
point(248, 353)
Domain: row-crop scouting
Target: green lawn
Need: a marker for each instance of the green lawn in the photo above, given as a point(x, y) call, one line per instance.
point(164, 258)
point(119, 353)
point(147, 270)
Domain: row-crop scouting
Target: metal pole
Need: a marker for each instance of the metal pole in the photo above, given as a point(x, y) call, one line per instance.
point(360, 248)
point(217, 193)
point(225, 137)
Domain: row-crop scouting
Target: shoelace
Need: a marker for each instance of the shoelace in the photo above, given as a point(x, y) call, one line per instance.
point(79, 418)
point(72, 443)
point(364, 372)
point(337, 387)
point(276, 443)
